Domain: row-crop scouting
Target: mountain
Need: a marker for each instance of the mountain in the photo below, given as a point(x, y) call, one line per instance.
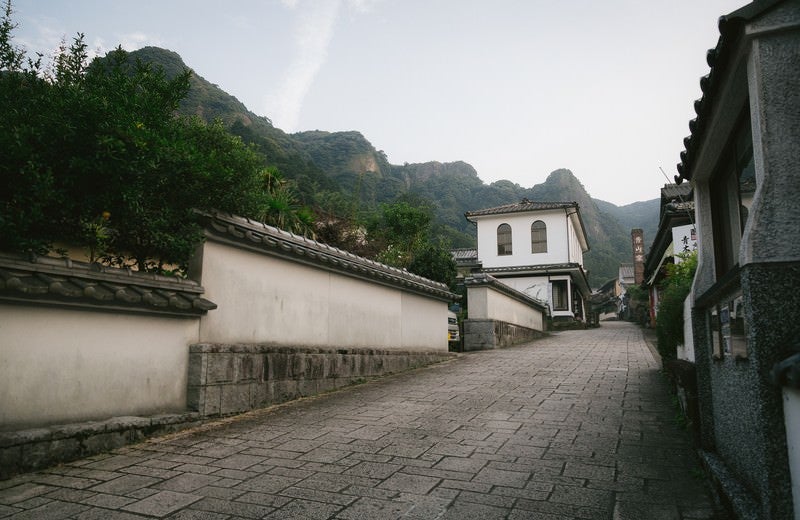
point(348, 164)
point(643, 214)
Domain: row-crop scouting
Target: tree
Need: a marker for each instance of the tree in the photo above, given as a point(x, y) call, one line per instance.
point(281, 206)
point(403, 231)
point(433, 260)
point(95, 155)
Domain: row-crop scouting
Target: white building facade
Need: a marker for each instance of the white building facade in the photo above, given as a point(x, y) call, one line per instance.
point(537, 248)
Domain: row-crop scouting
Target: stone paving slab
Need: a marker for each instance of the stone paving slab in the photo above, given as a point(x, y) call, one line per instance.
point(575, 425)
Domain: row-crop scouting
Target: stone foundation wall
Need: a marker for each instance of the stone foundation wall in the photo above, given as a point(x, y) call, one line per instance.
point(491, 334)
point(225, 379)
point(35, 449)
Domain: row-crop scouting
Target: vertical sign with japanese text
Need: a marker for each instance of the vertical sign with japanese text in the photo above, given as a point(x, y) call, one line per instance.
point(684, 240)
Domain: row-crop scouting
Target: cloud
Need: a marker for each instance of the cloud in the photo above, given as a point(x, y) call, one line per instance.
point(129, 42)
point(46, 38)
point(49, 35)
point(312, 35)
point(137, 40)
point(313, 32)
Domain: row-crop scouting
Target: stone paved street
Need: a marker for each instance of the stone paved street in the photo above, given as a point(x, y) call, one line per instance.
point(577, 425)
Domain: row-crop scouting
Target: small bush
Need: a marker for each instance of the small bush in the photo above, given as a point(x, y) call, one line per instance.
point(669, 317)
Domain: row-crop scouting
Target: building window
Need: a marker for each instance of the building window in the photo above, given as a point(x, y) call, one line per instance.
point(560, 295)
point(538, 237)
point(732, 190)
point(503, 240)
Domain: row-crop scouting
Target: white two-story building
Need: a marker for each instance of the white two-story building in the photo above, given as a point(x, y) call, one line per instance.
point(537, 248)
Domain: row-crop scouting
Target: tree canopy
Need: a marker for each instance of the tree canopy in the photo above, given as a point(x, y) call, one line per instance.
point(95, 155)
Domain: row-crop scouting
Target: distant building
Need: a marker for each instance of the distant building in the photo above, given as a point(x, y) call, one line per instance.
point(626, 279)
point(466, 261)
point(536, 248)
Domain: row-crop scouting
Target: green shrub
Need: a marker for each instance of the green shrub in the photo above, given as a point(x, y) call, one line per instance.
point(95, 156)
point(669, 317)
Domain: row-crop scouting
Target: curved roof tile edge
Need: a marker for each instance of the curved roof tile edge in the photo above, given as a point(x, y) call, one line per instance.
point(72, 284)
point(268, 239)
point(717, 58)
point(522, 206)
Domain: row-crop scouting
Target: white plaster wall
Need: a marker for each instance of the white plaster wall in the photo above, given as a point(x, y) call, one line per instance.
point(83, 365)
point(478, 298)
point(558, 239)
point(537, 287)
point(686, 351)
point(262, 298)
point(575, 249)
point(487, 303)
point(424, 322)
point(361, 314)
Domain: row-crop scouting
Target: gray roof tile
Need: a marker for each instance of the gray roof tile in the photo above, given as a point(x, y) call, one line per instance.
point(63, 282)
point(518, 207)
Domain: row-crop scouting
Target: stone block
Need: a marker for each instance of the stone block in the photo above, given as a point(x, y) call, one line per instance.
point(285, 390)
point(307, 387)
point(197, 368)
point(234, 398)
point(35, 455)
point(326, 384)
point(63, 431)
point(174, 418)
point(64, 449)
point(211, 402)
point(220, 369)
point(344, 366)
point(354, 365)
point(262, 394)
point(126, 423)
point(195, 397)
point(298, 366)
point(249, 367)
point(315, 366)
point(10, 461)
point(105, 441)
point(478, 327)
point(276, 367)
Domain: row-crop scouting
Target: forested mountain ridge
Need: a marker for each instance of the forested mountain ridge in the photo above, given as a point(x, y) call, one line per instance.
point(347, 164)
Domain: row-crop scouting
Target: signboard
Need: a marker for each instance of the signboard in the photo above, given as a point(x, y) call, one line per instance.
point(684, 240)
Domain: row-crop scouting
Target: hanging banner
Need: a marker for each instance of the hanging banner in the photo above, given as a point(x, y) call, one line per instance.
point(684, 240)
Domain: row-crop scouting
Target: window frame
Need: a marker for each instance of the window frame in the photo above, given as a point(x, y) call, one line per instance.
point(727, 218)
point(557, 304)
point(505, 240)
point(538, 237)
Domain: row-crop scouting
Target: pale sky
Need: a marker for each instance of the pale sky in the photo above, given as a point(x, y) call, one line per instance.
point(515, 88)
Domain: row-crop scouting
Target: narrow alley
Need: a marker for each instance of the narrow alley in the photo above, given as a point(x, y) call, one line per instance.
point(577, 425)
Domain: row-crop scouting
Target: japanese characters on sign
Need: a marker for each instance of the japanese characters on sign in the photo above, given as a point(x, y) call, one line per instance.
point(684, 240)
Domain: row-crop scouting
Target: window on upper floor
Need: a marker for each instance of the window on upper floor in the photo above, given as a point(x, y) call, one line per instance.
point(503, 240)
point(538, 237)
point(732, 190)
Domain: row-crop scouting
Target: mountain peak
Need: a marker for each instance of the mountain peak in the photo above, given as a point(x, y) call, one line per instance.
point(348, 163)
